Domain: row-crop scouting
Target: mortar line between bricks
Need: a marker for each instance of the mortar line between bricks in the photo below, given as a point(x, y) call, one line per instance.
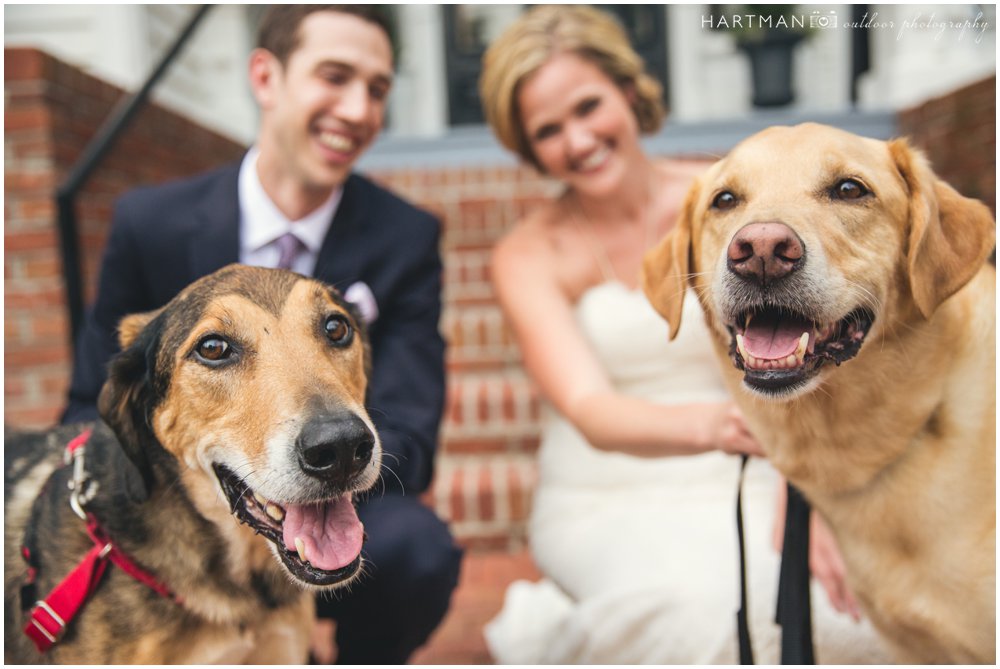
point(470, 493)
point(501, 492)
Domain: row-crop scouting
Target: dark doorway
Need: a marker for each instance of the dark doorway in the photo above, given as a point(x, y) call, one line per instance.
point(469, 28)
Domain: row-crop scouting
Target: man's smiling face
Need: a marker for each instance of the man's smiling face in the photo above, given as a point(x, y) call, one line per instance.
point(322, 108)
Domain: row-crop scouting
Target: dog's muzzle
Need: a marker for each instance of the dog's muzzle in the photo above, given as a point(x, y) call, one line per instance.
point(777, 339)
point(319, 541)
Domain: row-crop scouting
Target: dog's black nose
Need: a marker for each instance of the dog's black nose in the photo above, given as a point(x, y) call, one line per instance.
point(335, 447)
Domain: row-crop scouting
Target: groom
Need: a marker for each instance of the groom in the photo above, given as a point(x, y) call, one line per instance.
point(320, 75)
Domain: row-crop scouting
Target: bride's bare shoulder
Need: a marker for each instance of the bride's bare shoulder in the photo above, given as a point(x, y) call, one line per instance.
point(537, 232)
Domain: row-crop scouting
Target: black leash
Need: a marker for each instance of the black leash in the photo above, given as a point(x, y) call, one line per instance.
point(742, 625)
point(794, 611)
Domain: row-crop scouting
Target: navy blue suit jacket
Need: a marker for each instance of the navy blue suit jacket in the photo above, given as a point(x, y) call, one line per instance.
point(164, 237)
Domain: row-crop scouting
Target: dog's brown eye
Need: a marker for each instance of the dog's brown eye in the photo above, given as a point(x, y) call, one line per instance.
point(338, 330)
point(849, 189)
point(213, 349)
point(724, 201)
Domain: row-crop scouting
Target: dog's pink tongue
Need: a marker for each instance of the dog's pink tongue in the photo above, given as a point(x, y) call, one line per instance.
point(331, 533)
point(770, 338)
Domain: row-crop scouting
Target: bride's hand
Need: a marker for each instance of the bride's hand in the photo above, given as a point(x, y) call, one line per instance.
point(728, 432)
point(827, 565)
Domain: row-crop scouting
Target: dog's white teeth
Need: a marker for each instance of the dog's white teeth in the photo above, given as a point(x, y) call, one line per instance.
point(790, 361)
point(275, 511)
point(746, 323)
point(259, 499)
point(300, 548)
point(748, 360)
point(741, 347)
point(800, 351)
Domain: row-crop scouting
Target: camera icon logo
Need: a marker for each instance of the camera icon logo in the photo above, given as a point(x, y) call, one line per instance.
point(820, 19)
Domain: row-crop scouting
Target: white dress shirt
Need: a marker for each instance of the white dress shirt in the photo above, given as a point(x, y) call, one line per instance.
point(261, 222)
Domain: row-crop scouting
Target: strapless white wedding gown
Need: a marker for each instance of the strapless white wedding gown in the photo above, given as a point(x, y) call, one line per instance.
point(640, 555)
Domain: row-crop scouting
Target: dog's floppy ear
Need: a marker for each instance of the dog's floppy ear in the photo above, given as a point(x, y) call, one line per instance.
point(130, 326)
point(665, 268)
point(124, 402)
point(950, 236)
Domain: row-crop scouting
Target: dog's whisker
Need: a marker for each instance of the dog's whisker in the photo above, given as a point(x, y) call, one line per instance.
point(865, 297)
point(869, 300)
point(377, 410)
point(389, 469)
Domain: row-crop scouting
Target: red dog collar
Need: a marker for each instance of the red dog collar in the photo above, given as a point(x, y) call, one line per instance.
point(50, 616)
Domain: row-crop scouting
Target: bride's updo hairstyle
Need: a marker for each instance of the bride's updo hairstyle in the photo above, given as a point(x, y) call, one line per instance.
point(537, 36)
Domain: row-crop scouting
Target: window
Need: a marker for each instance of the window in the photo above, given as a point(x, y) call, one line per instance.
point(469, 29)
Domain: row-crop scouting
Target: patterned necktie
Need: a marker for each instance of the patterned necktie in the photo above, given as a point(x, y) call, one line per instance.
point(289, 248)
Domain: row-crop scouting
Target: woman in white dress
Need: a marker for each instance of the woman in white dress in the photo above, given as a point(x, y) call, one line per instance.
point(633, 521)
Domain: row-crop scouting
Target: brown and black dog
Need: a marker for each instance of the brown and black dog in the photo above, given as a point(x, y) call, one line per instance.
point(234, 436)
point(846, 288)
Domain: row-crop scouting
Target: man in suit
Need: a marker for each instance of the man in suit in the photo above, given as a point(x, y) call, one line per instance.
point(321, 75)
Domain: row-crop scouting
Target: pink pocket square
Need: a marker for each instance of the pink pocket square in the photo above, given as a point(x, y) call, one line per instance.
point(360, 295)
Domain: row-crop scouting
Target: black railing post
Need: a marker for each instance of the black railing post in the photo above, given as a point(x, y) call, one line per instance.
point(95, 150)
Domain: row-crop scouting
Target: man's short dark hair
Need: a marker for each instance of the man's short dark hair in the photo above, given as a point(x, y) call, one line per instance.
point(278, 31)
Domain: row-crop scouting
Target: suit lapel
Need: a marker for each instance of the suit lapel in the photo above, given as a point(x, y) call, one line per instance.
point(342, 255)
point(217, 240)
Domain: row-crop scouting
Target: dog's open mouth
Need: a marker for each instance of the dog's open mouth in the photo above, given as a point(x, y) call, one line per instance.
point(780, 350)
point(319, 543)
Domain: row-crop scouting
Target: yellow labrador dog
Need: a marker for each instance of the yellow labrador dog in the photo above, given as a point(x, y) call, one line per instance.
point(848, 287)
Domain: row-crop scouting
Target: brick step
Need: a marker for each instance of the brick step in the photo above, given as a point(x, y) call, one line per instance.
point(475, 205)
point(485, 499)
point(467, 277)
point(479, 597)
point(491, 412)
point(478, 338)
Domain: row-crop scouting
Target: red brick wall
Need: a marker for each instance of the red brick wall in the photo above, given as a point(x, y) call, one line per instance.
point(51, 111)
point(486, 473)
point(958, 132)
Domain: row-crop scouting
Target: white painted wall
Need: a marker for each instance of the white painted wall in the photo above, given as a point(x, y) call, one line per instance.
point(123, 43)
point(923, 51)
point(107, 41)
point(418, 103)
point(709, 78)
point(209, 80)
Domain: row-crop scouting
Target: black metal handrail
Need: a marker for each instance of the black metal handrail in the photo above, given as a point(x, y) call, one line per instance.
point(95, 150)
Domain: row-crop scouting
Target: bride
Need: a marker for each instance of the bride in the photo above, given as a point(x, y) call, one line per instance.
point(633, 522)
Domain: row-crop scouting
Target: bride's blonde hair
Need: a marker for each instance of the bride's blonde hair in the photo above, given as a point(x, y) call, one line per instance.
point(536, 37)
